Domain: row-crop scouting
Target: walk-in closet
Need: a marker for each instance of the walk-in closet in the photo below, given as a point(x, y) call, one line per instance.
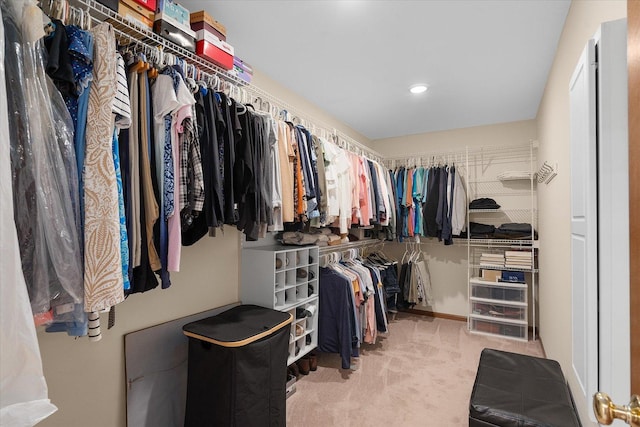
point(319, 213)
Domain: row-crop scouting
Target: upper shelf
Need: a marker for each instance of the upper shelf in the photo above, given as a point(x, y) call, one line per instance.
point(504, 243)
point(502, 210)
point(130, 32)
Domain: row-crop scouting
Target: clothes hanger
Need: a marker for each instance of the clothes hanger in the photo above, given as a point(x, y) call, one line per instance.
point(140, 66)
point(189, 81)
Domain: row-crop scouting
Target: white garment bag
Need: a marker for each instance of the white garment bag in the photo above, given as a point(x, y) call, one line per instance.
point(23, 390)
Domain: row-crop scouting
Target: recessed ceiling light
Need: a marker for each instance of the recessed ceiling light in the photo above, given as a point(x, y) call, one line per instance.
point(419, 88)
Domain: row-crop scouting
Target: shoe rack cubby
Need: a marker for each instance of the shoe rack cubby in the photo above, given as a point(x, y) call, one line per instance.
point(285, 278)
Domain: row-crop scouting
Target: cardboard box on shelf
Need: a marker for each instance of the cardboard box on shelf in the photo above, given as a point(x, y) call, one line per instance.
point(137, 7)
point(239, 63)
point(135, 17)
point(173, 31)
point(491, 275)
point(202, 15)
point(173, 10)
point(203, 25)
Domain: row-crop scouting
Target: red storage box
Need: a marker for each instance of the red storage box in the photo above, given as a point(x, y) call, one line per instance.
point(147, 4)
point(135, 6)
point(215, 50)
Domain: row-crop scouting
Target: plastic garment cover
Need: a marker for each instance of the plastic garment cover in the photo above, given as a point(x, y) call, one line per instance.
point(44, 175)
point(23, 390)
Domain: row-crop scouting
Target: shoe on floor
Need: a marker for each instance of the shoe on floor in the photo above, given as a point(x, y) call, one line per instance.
point(295, 370)
point(313, 362)
point(303, 365)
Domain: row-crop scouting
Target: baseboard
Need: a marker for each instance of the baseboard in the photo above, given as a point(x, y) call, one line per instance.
point(544, 352)
point(436, 314)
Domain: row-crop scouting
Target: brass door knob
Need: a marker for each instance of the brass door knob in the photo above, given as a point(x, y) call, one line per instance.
point(606, 411)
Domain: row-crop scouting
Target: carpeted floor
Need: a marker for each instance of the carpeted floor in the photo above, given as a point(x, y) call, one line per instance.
point(420, 374)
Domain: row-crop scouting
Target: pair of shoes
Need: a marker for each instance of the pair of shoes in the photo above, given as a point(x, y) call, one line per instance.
point(307, 339)
point(303, 365)
point(295, 371)
point(313, 361)
point(301, 273)
point(299, 330)
point(302, 312)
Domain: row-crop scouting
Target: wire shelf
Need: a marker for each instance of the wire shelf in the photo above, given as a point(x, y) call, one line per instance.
point(484, 267)
point(132, 33)
point(501, 242)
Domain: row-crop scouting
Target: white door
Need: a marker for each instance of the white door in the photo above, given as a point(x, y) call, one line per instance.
point(599, 217)
point(613, 213)
point(584, 200)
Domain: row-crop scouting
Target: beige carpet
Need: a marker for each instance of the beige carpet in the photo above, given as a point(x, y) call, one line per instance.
point(420, 374)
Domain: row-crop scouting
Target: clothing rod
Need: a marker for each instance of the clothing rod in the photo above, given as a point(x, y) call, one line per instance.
point(351, 245)
point(471, 153)
point(467, 150)
point(131, 33)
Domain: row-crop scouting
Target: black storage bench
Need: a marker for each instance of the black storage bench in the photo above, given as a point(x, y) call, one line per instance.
point(514, 390)
point(237, 369)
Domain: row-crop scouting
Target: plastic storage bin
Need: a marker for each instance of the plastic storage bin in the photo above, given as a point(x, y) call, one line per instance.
point(237, 370)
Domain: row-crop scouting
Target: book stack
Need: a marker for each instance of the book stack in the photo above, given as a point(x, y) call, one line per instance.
point(518, 260)
point(492, 260)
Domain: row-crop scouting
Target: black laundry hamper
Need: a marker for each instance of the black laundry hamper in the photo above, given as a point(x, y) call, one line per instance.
point(238, 368)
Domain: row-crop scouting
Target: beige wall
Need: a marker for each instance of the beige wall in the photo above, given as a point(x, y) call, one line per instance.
point(87, 380)
point(448, 264)
point(513, 133)
point(305, 107)
point(553, 200)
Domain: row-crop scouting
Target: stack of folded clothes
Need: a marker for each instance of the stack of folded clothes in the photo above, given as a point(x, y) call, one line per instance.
point(492, 260)
point(484, 203)
point(518, 259)
point(514, 230)
point(319, 237)
point(509, 231)
point(481, 231)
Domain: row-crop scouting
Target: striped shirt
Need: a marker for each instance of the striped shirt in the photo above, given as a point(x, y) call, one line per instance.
point(121, 102)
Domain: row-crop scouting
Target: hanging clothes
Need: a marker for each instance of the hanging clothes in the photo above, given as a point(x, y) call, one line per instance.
point(23, 388)
point(459, 208)
point(45, 185)
point(414, 281)
point(122, 120)
point(145, 193)
point(354, 304)
point(103, 259)
point(336, 328)
point(285, 155)
point(231, 134)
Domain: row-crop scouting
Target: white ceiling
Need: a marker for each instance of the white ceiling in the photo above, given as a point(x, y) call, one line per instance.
point(484, 61)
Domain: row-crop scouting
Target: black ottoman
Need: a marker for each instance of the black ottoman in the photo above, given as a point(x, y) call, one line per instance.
point(514, 390)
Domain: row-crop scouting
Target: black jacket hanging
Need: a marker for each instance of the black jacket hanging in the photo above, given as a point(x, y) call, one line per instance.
point(430, 208)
